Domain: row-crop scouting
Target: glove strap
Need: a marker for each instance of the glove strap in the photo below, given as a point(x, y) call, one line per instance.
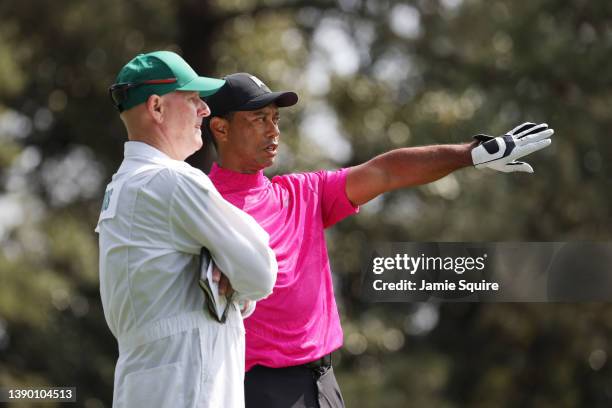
point(481, 137)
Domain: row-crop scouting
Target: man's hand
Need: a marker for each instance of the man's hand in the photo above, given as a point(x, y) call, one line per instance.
point(225, 287)
point(500, 153)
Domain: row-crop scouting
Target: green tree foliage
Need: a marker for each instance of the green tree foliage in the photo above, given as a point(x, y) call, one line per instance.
point(372, 76)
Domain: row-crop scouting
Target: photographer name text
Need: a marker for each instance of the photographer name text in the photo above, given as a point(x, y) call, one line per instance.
point(414, 264)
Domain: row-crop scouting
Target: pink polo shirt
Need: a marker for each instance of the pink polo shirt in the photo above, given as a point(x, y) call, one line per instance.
point(299, 321)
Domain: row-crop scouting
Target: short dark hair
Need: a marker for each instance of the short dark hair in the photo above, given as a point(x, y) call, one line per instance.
point(208, 134)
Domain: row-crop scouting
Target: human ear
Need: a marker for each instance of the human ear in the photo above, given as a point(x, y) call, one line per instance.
point(155, 107)
point(219, 127)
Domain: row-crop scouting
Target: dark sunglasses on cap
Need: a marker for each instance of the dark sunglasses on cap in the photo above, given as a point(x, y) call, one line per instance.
point(118, 92)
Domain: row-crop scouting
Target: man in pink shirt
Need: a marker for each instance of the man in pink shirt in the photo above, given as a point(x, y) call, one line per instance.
point(291, 334)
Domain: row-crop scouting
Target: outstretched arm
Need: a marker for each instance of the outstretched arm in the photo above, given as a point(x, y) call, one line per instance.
point(420, 165)
point(405, 167)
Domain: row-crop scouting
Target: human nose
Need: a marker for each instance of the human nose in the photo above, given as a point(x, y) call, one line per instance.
point(203, 109)
point(272, 130)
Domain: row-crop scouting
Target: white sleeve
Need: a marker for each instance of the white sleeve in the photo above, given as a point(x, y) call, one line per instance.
point(247, 308)
point(237, 244)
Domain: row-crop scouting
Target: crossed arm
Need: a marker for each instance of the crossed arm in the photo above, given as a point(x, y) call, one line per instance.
point(404, 167)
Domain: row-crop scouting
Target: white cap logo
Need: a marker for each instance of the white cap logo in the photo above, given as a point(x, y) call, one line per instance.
point(257, 81)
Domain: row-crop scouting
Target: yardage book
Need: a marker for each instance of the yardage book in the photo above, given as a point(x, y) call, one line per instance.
point(216, 304)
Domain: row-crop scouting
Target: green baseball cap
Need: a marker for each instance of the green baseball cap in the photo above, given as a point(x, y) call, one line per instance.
point(157, 73)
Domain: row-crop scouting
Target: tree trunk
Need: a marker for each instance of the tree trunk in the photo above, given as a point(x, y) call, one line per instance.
point(198, 23)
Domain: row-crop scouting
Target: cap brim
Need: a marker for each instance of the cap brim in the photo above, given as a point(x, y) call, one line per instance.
point(205, 86)
point(281, 99)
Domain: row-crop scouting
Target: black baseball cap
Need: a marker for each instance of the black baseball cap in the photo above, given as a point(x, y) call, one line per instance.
point(246, 92)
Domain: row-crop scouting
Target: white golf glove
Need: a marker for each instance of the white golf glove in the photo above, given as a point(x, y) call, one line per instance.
point(500, 153)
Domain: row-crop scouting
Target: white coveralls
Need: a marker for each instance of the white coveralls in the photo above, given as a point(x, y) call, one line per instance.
point(157, 215)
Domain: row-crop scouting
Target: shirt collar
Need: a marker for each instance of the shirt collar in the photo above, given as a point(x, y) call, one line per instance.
point(137, 154)
point(230, 181)
point(135, 149)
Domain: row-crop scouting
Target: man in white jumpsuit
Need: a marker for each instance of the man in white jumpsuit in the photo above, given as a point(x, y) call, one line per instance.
point(157, 215)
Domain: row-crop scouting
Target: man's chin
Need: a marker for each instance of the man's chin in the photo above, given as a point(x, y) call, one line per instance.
point(194, 148)
point(199, 142)
point(267, 162)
